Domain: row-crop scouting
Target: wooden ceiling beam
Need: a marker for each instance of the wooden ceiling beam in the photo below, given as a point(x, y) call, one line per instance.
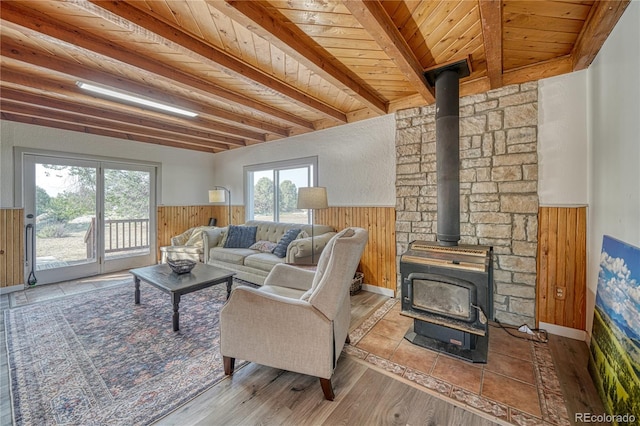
point(74, 119)
point(297, 44)
point(133, 19)
point(117, 117)
point(602, 18)
point(104, 50)
point(66, 69)
point(45, 122)
point(79, 71)
point(59, 99)
point(538, 71)
point(491, 17)
point(375, 20)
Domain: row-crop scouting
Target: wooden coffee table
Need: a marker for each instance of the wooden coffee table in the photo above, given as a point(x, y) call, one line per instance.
point(163, 278)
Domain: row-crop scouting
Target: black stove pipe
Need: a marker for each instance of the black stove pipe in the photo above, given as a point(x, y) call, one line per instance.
point(448, 156)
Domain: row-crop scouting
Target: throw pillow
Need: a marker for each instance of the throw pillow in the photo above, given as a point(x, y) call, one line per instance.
point(181, 240)
point(240, 236)
point(264, 246)
point(214, 235)
point(223, 236)
point(196, 237)
point(281, 248)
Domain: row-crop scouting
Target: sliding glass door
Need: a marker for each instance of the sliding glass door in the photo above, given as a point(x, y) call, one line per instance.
point(128, 206)
point(86, 217)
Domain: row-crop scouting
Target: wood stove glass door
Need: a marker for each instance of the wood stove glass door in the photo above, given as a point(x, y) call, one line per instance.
point(441, 295)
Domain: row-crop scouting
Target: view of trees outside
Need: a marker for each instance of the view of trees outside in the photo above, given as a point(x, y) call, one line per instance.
point(263, 197)
point(66, 208)
point(57, 213)
point(279, 181)
point(263, 201)
point(126, 194)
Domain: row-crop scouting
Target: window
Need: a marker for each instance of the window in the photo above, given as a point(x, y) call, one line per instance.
point(272, 189)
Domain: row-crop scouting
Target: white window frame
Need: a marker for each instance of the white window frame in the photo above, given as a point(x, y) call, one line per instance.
point(276, 166)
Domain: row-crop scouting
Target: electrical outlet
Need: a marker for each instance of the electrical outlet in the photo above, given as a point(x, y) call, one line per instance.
point(560, 292)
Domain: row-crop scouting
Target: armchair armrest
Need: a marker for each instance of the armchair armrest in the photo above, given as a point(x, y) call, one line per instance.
point(299, 251)
point(180, 240)
point(181, 252)
point(283, 275)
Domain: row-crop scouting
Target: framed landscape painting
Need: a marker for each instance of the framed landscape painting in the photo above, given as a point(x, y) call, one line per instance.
point(614, 360)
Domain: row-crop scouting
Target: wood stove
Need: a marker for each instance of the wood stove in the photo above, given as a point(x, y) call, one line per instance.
point(448, 291)
point(448, 288)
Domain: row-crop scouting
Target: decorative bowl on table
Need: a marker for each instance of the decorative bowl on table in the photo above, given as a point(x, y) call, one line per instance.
point(181, 266)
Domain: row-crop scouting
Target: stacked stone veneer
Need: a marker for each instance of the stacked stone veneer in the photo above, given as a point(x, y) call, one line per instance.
point(498, 187)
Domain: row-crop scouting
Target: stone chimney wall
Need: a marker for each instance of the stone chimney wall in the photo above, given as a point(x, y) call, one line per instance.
point(498, 186)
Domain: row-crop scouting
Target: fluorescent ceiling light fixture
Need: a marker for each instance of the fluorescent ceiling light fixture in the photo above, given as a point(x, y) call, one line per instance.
point(135, 99)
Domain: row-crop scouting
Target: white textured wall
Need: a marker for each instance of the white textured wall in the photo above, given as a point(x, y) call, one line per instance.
point(614, 138)
point(563, 140)
point(356, 162)
point(186, 175)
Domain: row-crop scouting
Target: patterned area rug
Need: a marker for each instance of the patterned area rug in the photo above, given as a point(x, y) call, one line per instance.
point(97, 358)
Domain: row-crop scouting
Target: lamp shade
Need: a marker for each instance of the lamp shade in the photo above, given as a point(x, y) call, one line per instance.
point(217, 195)
point(313, 197)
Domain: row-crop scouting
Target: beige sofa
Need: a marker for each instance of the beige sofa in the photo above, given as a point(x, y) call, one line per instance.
point(254, 265)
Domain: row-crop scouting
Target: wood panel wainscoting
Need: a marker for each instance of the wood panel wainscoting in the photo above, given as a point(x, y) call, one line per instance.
point(562, 266)
point(378, 261)
point(11, 247)
point(174, 220)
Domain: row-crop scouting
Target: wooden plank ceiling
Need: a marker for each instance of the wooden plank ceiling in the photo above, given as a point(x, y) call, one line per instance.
point(256, 71)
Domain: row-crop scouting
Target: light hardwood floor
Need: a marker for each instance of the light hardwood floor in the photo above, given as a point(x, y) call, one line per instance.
point(261, 395)
point(257, 394)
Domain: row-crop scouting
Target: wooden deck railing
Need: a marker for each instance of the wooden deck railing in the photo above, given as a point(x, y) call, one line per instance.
point(119, 236)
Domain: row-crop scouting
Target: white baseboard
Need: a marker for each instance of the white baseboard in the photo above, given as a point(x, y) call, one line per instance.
point(378, 290)
point(11, 289)
point(559, 330)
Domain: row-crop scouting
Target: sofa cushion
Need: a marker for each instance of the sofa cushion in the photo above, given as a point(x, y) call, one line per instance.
point(281, 248)
point(273, 231)
point(262, 261)
point(264, 246)
point(231, 255)
point(240, 236)
point(214, 235)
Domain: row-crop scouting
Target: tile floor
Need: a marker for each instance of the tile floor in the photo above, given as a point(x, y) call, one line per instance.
point(518, 384)
point(40, 293)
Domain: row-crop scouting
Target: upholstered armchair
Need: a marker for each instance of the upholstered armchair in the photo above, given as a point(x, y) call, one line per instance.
point(188, 245)
point(299, 319)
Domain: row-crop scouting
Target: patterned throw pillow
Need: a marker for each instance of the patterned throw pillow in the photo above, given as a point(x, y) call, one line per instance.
point(264, 246)
point(241, 236)
point(281, 248)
